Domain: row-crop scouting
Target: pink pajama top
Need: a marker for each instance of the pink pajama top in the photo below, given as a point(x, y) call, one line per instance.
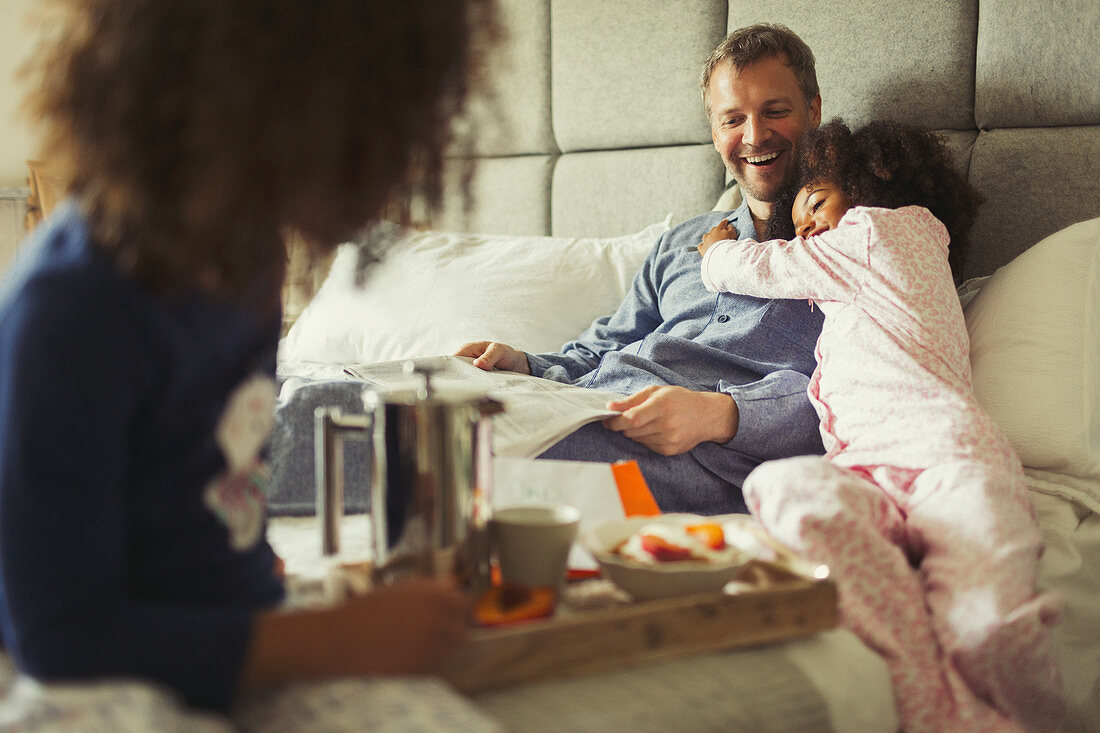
point(892, 384)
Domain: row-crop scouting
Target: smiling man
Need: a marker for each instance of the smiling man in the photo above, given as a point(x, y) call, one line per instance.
point(760, 94)
point(715, 383)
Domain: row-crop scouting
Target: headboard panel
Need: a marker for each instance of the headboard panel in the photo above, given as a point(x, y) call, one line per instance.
point(1035, 181)
point(910, 61)
point(1037, 103)
point(624, 75)
point(597, 126)
point(1038, 64)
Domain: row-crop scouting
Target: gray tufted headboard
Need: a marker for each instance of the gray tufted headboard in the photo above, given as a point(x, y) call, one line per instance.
point(597, 127)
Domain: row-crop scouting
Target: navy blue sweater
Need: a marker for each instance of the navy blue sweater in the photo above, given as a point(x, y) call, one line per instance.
point(110, 562)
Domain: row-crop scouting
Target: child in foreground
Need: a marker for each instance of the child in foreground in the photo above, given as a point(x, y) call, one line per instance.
point(138, 333)
point(919, 505)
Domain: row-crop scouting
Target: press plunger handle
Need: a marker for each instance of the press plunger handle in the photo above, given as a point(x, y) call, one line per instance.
point(330, 429)
point(425, 369)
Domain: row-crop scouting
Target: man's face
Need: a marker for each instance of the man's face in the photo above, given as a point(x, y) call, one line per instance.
point(818, 208)
point(756, 118)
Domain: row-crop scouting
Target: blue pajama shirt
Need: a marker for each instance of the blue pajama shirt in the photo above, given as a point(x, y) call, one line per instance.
point(670, 330)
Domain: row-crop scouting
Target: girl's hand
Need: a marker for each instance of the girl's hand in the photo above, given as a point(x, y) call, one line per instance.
point(407, 628)
point(721, 231)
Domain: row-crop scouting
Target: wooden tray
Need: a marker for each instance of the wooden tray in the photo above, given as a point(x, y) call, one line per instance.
point(597, 627)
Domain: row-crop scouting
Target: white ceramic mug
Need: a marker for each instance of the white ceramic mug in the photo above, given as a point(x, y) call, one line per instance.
point(532, 542)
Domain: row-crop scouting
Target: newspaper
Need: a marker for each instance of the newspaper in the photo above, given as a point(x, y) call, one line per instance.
point(537, 412)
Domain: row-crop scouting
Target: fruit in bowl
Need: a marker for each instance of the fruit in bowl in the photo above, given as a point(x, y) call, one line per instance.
point(673, 554)
point(703, 541)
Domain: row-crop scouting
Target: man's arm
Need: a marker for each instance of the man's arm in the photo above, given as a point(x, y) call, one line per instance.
point(673, 420)
point(768, 419)
point(776, 417)
point(636, 317)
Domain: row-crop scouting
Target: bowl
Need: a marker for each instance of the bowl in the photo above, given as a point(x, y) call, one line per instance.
point(644, 581)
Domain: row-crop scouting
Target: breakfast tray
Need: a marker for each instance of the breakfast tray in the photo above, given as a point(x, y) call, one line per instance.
point(598, 627)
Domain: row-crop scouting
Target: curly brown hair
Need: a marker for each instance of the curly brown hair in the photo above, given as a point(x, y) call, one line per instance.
point(196, 135)
point(886, 164)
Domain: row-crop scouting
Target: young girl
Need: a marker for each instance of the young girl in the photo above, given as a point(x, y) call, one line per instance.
point(916, 475)
point(138, 333)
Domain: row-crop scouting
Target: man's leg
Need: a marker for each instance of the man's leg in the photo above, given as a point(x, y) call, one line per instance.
point(678, 483)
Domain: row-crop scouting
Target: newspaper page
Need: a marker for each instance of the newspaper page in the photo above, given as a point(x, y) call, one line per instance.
point(537, 412)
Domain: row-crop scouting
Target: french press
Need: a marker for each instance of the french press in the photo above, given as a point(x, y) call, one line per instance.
point(430, 474)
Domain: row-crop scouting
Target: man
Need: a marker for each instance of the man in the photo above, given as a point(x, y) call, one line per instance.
point(716, 384)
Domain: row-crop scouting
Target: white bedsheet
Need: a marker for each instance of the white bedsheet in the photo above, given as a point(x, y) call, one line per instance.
point(829, 679)
point(1071, 565)
point(828, 682)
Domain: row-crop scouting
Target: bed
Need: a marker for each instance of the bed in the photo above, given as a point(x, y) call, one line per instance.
point(593, 140)
point(590, 141)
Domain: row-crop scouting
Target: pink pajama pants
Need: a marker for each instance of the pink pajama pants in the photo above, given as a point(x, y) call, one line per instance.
point(935, 570)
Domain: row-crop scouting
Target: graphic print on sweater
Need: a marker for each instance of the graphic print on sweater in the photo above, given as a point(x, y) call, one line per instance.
point(238, 495)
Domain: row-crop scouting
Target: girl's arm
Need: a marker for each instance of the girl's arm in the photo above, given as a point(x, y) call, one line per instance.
point(407, 628)
point(826, 267)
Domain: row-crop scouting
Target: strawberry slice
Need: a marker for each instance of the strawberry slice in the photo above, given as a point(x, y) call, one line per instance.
point(663, 550)
point(709, 534)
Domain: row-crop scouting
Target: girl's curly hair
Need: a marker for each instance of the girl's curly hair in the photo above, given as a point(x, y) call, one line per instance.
point(886, 164)
point(198, 134)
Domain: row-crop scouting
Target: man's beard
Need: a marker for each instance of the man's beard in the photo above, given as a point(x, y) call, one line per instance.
point(769, 195)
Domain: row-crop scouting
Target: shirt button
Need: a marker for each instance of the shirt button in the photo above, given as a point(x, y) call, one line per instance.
point(723, 318)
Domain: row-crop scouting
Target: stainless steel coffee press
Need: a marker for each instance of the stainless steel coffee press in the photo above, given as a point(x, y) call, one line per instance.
point(431, 478)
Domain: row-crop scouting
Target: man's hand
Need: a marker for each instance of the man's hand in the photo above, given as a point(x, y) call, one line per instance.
point(673, 420)
point(489, 355)
point(722, 230)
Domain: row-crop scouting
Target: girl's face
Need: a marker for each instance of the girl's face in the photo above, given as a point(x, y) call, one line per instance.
point(819, 208)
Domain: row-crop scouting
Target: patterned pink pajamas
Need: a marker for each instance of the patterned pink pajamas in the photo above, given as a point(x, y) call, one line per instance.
point(919, 507)
point(966, 626)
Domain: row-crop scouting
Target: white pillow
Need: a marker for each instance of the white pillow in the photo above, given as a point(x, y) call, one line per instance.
point(1035, 351)
point(434, 291)
point(730, 199)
